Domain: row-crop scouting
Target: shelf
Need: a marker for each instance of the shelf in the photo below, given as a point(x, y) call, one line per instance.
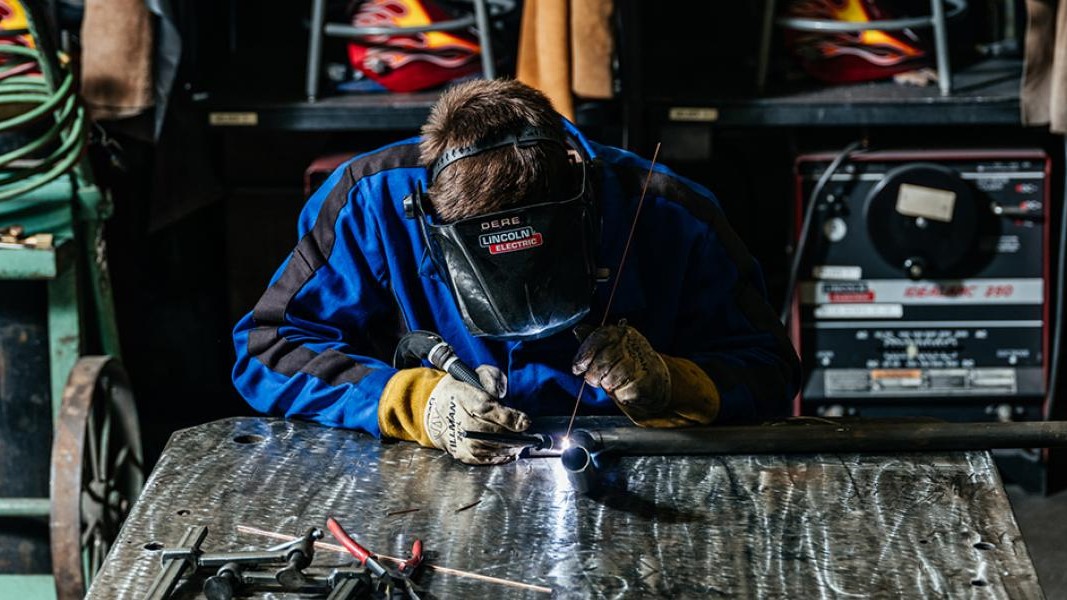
point(34, 263)
point(353, 112)
point(983, 94)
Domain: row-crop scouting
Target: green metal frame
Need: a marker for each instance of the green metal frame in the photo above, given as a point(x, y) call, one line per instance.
point(56, 265)
point(28, 587)
point(57, 196)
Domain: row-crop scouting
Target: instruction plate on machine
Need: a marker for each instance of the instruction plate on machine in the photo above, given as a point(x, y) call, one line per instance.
point(926, 202)
point(859, 311)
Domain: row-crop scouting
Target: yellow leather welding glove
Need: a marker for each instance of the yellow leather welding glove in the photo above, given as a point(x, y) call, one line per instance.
point(652, 389)
point(434, 409)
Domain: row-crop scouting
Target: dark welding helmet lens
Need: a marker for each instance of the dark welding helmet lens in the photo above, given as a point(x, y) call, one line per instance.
point(519, 274)
point(522, 273)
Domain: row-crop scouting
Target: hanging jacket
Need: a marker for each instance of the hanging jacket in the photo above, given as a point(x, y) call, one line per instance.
point(318, 343)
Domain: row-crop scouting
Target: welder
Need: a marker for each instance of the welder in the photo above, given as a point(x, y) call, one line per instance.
point(501, 228)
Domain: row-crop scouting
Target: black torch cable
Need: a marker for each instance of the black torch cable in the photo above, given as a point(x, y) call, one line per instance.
point(1057, 332)
point(420, 345)
point(798, 252)
point(618, 273)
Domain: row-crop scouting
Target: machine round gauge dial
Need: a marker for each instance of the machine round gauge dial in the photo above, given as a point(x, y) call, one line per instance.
point(925, 220)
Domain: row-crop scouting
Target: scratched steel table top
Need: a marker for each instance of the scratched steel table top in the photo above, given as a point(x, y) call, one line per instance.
point(817, 526)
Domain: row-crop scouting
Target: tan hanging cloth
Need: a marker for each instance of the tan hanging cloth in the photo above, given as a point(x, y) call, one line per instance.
point(592, 43)
point(565, 49)
point(116, 63)
point(1044, 89)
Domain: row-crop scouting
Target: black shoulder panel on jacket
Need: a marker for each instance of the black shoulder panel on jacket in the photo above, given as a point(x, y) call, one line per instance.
point(314, 249)
point(311, 252)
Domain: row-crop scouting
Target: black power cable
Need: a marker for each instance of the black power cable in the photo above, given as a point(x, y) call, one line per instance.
point(1057, 332)
point(805, 227)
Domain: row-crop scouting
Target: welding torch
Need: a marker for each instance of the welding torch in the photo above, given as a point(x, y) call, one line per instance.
point(420, 345)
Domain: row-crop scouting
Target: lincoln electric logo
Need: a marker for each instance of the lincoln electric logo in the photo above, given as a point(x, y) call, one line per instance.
point(512, 240)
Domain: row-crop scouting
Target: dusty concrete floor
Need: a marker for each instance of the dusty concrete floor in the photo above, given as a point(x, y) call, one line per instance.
point(1043, 522)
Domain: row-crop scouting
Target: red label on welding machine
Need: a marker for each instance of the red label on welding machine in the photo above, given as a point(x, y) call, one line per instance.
point(856, 292)
point(851, 297)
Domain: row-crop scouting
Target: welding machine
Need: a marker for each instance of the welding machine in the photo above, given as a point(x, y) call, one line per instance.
point(923, 288)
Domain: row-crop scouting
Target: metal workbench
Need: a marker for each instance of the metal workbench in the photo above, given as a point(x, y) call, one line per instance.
point(934, 525)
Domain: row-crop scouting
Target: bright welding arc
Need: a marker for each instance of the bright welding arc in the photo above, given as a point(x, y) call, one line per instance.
point(615, 284)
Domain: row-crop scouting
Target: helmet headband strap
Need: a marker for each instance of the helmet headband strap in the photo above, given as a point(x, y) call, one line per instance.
point(527, 137)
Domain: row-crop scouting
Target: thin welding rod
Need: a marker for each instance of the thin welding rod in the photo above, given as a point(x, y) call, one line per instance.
point(438, 568)
point(615, 284)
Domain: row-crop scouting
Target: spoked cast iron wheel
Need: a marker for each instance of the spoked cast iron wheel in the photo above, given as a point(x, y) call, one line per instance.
point(97, 471)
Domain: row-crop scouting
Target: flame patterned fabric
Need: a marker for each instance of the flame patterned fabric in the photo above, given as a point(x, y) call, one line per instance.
point(13, 18)
point(845, 57)
point(408, 63)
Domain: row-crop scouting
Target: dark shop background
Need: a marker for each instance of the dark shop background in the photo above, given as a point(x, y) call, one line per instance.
point(208, 213)
point(207, 186)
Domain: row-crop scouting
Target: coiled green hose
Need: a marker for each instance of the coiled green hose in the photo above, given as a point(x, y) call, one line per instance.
point(53, 108)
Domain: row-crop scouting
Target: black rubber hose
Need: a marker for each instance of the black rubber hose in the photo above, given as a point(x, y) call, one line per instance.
point(805, 227)
point(1056, 359)
point(414, 348)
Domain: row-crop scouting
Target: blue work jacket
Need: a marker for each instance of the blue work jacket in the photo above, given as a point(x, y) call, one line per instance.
point(318, 343)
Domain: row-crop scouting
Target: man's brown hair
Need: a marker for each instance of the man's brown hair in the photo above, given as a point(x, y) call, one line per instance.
point(496, 179)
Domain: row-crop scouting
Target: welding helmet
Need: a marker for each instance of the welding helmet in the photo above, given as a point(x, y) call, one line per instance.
point(853, 56)
point(521, 273)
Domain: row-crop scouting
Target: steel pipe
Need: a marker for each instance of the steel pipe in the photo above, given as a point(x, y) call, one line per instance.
point(25, 507)
point(832, 25)
point(823, 436)
point(581, 469)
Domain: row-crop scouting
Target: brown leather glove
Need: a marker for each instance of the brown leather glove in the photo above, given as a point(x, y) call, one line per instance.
point(618, 359)
point(435, 409)
point(654, 390)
